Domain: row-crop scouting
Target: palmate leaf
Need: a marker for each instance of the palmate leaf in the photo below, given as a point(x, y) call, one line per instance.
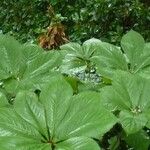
point(25, 66)
point(135, 57)
point(137, 51)
point(130, 95)
point(57, 120)
point(77, 55)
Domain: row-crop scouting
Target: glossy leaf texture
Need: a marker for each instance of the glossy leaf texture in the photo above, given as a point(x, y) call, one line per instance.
point(133, 56)
point(25, 66)
point(129, 94)
point(77, 55)
point(78, 143)
point(137, 51)
point(139, 140)
point(108, 59)
point(56, 120)
point(11, 61)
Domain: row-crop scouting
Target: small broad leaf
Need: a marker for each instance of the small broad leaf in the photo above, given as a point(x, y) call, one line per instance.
point(132, 123)
point(90, 47)
point(139, 140)
point(79, 55)
point(73, 82)
point(132, 44)
point(89, 86)
point(78, 143)
point(42, 63)
point(108, 59)
point(137, 52)
point(32, 111)
point(39, 70)
point(72, 57)
point(3, 100)
point(11, 60)
point(129, 94)
point(30, 52)
point(71, 47)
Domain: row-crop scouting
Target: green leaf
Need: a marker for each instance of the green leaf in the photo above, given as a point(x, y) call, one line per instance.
point(138, 141)
point(89, 86)
point(133, 44)
point(108, 59)
point(79, 55)
point(30, 52)
point(129, 94)
point(135, 57)
point(22, 143)
point(144, 65)
point(137, 52)
point(71, 47)
point(11, 60)
point(147, 112)
point(12, 124)
point(42, 63)
point(54, 119)
point(32, 111)
point(88, 121)
point(90, 47)
point(114, 143)
point(73, 57)
point(53, 97)
point(25, 66)
point(21, 130)
point(73, 82)
point(39, 70)
point(3, 100)
point(78, 143)
point(132, 123)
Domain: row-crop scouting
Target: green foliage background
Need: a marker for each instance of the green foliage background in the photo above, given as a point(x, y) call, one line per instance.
point(104, 19)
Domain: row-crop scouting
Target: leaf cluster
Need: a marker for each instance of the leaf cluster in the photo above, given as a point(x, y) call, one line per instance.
point(44, 105)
